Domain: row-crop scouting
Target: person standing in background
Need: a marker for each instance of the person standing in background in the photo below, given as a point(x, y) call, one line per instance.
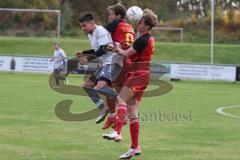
point(59, 60)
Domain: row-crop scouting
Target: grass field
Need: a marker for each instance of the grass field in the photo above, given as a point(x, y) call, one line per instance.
point(177, 52)
point(29, 129)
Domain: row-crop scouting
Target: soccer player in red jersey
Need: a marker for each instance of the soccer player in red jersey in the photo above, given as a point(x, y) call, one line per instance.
point(123, 33)
point(138, 77)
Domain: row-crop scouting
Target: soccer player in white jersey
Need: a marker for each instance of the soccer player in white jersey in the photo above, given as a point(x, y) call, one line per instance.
point(59, 60)
point(112, 63)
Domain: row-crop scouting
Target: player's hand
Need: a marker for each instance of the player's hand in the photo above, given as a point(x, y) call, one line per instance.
point(78, 54)
point(110, 48)
point(83, 60)
point(118, 47)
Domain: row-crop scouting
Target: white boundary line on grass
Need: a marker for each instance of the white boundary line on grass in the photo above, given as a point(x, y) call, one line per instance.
point(220, 111)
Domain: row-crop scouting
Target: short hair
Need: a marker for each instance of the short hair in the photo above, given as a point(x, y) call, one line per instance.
point(57, 43)
point(118, 9)
point(150, 18)
point(86, 17)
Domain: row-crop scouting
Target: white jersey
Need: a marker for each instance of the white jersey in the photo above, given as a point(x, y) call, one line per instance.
point(100, 37)
point(59, 58)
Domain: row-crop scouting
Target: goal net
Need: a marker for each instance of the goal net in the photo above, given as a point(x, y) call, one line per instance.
point(168, 34)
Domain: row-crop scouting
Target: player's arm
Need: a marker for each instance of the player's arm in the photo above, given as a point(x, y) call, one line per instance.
point(139, 45)
point(52, 59)
point(101, 51)
point(104, 41)
point(92, 54)
point(127, 52)
point(86, 57)
point(55, 58)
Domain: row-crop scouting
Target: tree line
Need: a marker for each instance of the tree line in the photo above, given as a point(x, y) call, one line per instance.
point(176, 13)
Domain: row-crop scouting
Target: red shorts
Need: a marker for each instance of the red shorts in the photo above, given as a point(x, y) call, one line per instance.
point(138, 82)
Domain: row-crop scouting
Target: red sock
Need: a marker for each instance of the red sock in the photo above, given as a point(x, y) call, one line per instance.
point(121, 114)
point(134, 130)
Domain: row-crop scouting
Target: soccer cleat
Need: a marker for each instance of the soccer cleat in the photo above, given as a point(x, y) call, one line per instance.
point(138, 151)
point(112, 136)
point(102, 114)
point(130, 153)
point(111, 121)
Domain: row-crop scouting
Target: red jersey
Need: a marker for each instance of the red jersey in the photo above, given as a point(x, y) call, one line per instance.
point(139, 70)
point(122, 32)
point(144, 46)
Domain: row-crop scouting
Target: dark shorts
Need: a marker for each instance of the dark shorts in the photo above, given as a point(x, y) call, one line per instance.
point(107, 73)
point(57, 70)
point(60, 72)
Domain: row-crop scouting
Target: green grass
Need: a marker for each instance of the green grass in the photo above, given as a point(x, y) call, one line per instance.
point(186, 52)
point(233, 111)
point(29, 129)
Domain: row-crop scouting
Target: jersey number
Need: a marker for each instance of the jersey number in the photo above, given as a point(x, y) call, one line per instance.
point(129, 39)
